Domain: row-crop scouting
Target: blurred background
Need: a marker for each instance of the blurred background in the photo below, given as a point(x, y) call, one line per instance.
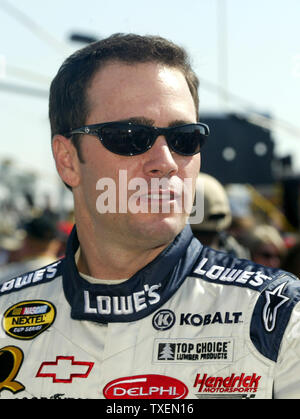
point(247, 56)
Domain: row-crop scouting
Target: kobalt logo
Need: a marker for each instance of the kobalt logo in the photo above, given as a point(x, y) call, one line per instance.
point(205, 319)
point(150, 386)
point(163, 320)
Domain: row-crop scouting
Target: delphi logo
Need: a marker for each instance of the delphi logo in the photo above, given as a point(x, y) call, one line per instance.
point(149, 386)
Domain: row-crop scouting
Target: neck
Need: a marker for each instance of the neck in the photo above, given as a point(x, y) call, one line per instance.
point(103, 259)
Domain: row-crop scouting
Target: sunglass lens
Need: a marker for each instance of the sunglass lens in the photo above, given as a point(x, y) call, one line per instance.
point(125, 140)
point(186, 140)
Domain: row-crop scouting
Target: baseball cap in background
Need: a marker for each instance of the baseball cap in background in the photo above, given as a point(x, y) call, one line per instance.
point(217, 213)
point(41, 228)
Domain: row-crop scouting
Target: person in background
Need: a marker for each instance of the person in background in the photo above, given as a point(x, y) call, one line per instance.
point(266, 246)
point(10, 246)
point(213, 229)
point(64, 229)
point(291, 261)
point(40, 247)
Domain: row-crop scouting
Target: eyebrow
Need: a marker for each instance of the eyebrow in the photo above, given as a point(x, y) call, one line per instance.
point(140, 120)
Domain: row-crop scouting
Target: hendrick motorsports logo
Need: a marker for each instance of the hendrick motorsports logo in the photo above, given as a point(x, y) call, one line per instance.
point(28, 319)
point(243, 383)
point(193, 350)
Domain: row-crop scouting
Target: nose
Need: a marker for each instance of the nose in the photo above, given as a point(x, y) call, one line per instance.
point(160, 161)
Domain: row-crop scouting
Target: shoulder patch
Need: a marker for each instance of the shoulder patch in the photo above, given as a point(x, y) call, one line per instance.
point(272, 313)
point(222, 268)
point(42, 275)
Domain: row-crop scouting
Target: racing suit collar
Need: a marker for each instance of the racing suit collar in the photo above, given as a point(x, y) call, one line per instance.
point(140, 295)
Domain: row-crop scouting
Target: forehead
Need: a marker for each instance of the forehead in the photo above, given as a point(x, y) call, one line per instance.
point(119, 88)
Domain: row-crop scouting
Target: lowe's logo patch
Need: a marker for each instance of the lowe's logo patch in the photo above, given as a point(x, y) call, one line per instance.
point(44, 274)
point(237, 276)
point(121, 305)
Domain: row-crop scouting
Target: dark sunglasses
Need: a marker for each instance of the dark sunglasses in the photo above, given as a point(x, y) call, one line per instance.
point(129, 139)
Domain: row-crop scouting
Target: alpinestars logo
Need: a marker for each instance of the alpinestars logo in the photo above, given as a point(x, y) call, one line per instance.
point(274, 300)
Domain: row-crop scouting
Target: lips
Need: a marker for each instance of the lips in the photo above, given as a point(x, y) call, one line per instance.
point(160, 195)
point(162, 201)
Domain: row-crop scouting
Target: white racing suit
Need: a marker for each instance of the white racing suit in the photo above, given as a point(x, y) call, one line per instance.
point(194, 323)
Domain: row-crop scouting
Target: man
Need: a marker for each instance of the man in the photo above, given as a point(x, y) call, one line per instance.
point(212, 230)
point(267, 246)
point(138, 308)
point(39, 247)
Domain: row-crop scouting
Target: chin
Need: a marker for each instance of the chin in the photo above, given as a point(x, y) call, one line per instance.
point(160, 231)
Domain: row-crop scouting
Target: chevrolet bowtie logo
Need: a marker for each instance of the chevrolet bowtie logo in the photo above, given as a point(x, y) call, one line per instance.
point(64, 369)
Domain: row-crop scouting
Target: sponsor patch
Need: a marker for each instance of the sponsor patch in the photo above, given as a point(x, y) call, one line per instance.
point(64, 369)
point(193, 350)
point(197, 319)
point(27, 319)
point(234, 384)
point(274, 300)
point(121, 305)
point(11, 359)
point(163, 320)
point(229, 275)
point(41, 275)
point(149, 386)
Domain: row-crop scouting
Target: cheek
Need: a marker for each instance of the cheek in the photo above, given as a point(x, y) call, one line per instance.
point(189, 167)
point(104, 177)
point(99, 163)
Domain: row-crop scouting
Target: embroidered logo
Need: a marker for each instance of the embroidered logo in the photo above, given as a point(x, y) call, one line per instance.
point(163, 320)
point(200, 350)
point(64, 369)
point(274, 300)
point(11, 359)
point(27, 319)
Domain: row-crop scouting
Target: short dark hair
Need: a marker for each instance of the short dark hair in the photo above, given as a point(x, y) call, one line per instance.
point(68, 104)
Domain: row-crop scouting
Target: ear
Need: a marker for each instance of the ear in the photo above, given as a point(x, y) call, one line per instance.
point(66, 160)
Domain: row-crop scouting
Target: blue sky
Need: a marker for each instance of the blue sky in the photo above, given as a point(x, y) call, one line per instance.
point(262, 60)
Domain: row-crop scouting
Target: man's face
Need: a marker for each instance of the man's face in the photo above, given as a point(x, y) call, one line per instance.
point(148, 94)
